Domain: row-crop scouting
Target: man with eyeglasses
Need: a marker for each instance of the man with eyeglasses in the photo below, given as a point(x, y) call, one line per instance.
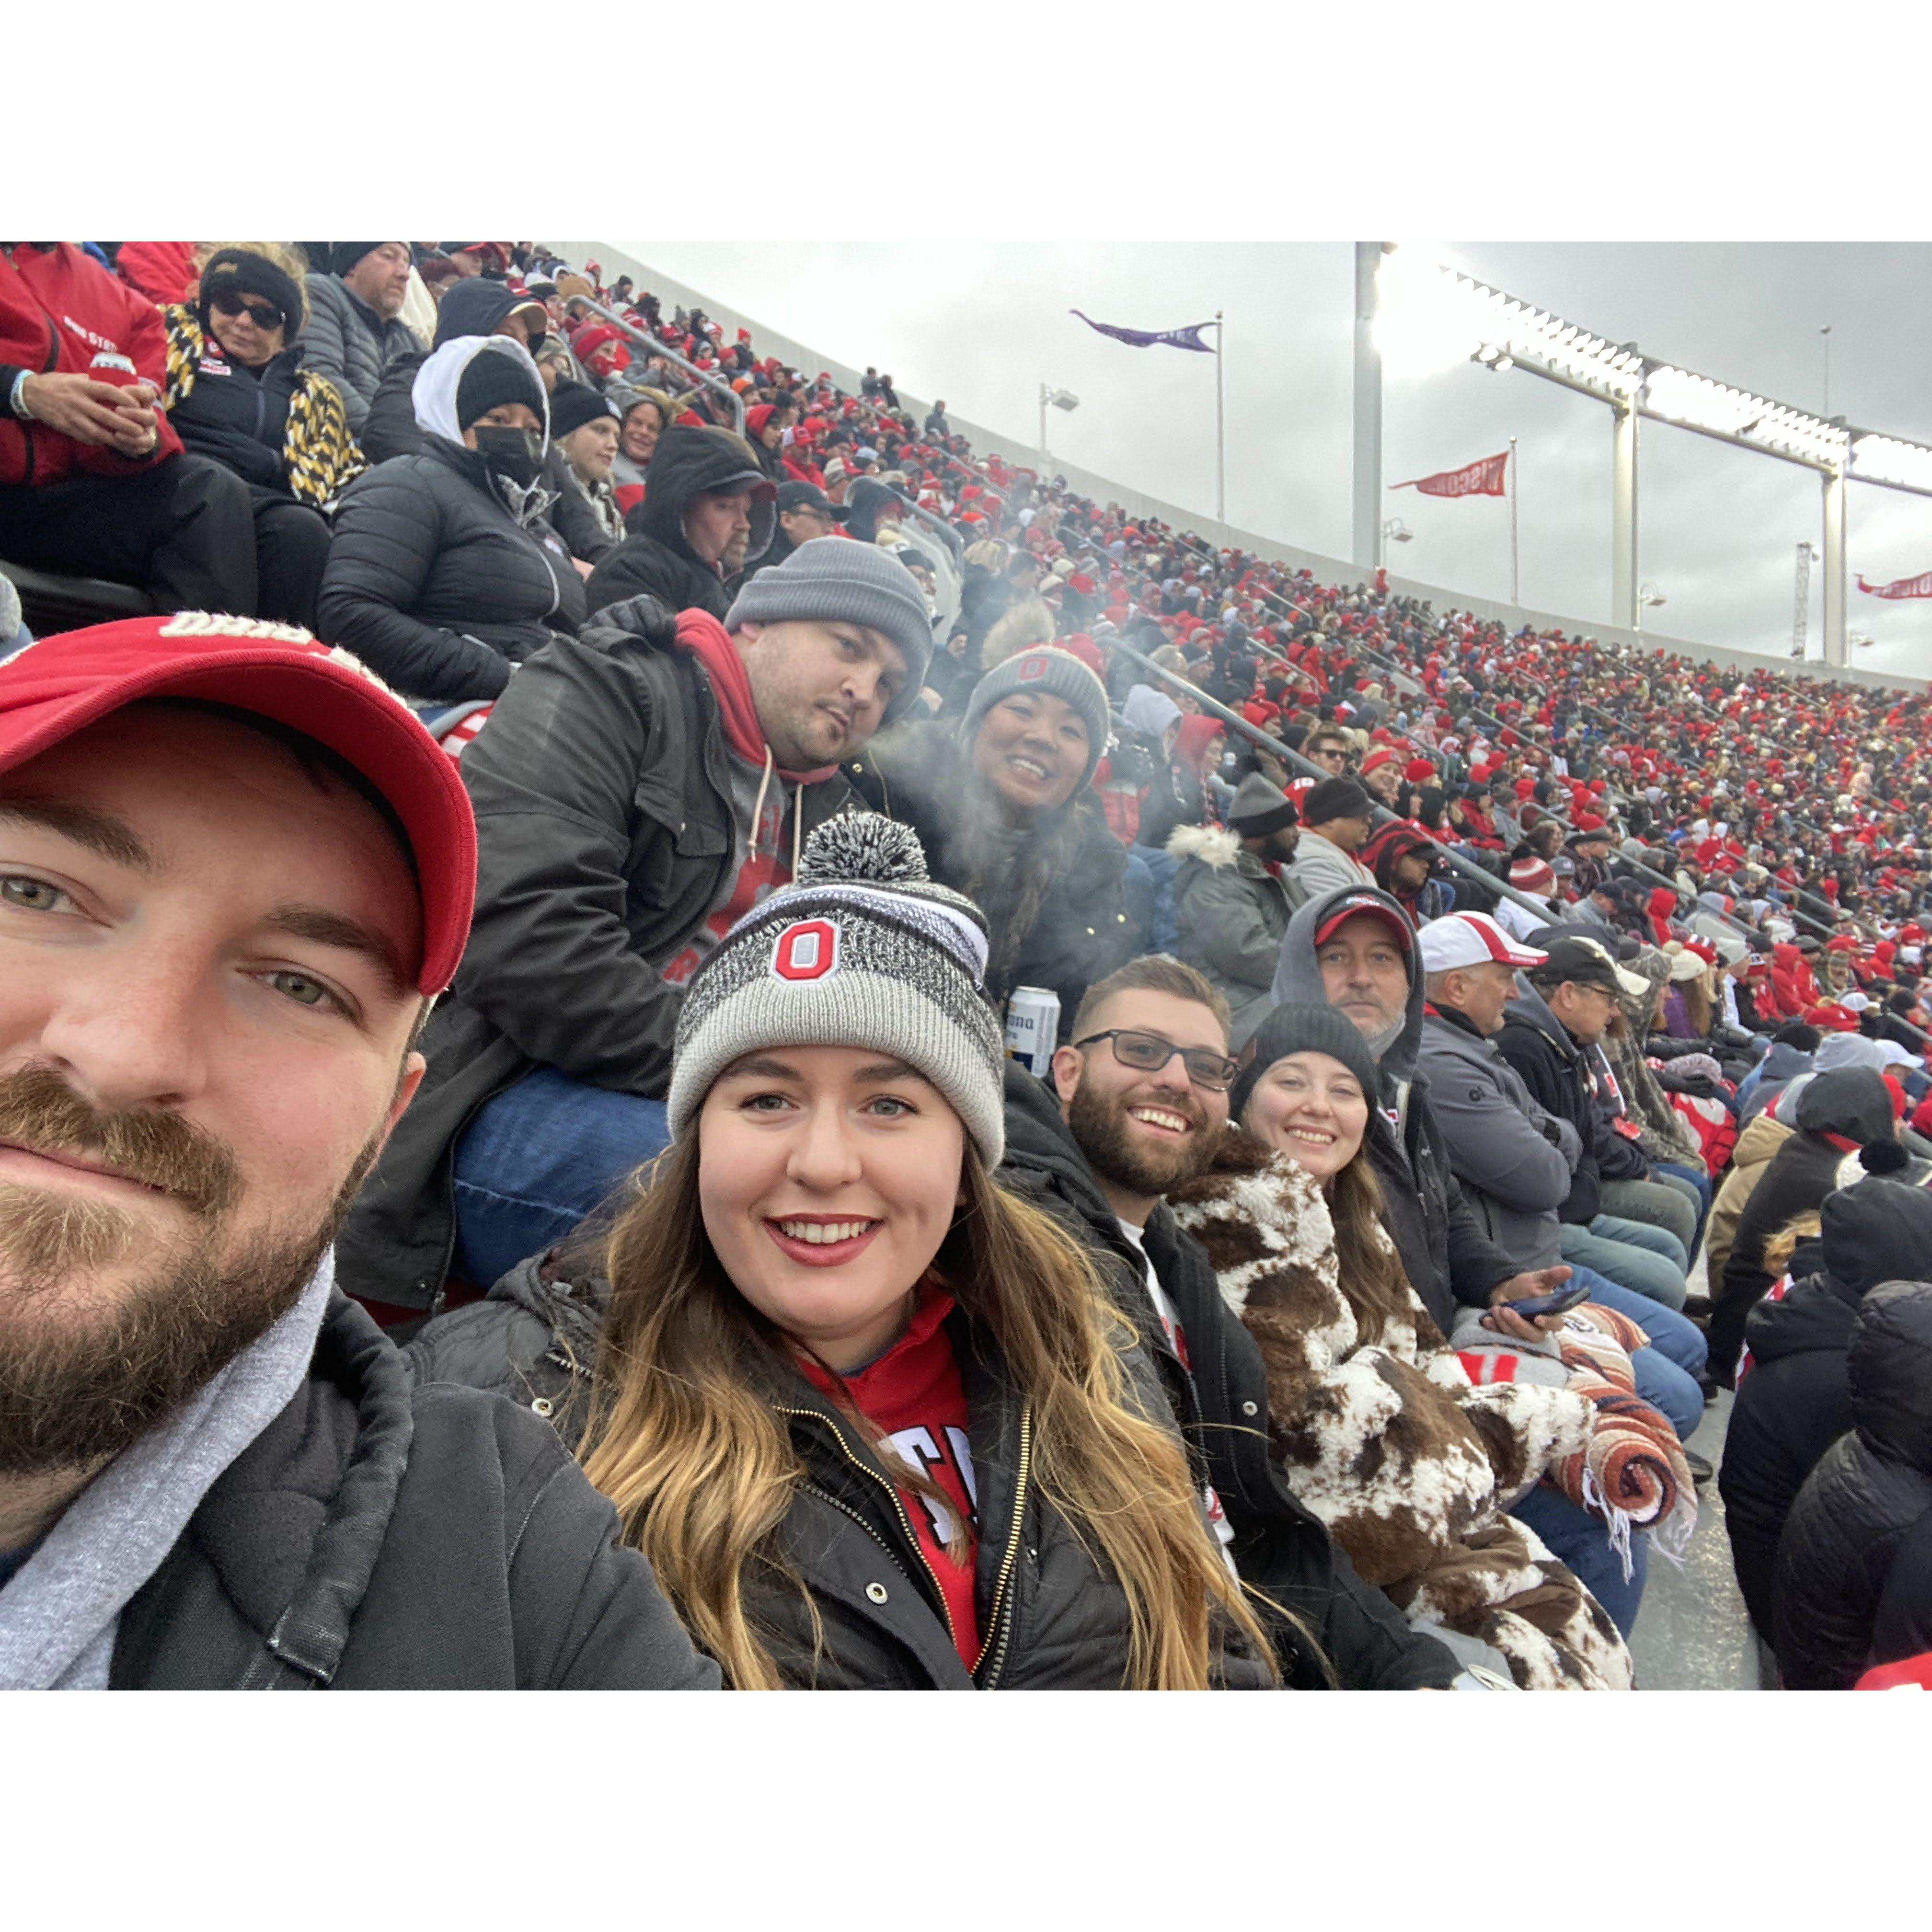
point(1138, 1105)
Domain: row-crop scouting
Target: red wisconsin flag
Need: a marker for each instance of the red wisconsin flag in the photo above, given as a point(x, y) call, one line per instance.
point(1481, 479)
point(1902, 586)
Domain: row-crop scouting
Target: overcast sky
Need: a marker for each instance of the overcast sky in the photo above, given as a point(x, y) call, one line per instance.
point(982, 322)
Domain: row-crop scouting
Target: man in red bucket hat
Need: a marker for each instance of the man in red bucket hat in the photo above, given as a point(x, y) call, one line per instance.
point(234, 869)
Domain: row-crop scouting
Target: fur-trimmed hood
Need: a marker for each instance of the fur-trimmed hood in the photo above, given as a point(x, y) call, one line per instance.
point(1213, 845)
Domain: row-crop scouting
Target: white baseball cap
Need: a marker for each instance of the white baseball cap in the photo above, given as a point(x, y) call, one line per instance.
point(1472, 939)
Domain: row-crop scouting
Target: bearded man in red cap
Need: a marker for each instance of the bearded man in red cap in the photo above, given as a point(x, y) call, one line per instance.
point(234, 870)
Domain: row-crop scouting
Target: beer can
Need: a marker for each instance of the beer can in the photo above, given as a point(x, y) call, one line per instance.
point(1032, 1027)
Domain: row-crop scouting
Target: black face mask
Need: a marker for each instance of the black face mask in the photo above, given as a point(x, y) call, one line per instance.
point(515, 454)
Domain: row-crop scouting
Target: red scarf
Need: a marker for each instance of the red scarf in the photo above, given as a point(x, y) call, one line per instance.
point(913, 1396)
point(700, 634)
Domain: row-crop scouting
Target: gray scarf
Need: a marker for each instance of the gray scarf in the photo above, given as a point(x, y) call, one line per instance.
point(59, 1614)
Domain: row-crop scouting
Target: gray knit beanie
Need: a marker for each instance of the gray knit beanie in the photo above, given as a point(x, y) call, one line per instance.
point(861, 949)
point(833, 579)
point(1046, 668)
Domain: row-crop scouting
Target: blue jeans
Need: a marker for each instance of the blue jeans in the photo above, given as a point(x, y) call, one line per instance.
point(1664, 1202)
point(538, 1158)
point(1698, 1181)
point(1582, 1541)
point(1666, 1371)
point(1633, 1263)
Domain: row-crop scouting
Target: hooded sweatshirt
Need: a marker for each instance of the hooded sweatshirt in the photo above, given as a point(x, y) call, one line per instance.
point(656, 556)
point(434, 394)
point(59, 1612)
point(1445, 1253)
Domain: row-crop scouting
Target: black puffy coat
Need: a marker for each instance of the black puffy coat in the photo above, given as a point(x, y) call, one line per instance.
point(383, 1537)
point(655, 558)
point(1866, 1503)
point(435, 585)
point(1082, 929)
point(1050, 1614)
point(1281, 1549)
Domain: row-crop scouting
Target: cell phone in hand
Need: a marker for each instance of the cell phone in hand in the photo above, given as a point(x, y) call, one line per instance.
point(1565, 1298)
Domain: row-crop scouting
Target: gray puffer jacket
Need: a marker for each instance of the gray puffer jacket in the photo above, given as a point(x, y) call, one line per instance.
point(346, 342)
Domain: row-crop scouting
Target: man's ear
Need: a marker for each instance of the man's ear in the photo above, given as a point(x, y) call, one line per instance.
point(414, 1066)
point(1067, 1065)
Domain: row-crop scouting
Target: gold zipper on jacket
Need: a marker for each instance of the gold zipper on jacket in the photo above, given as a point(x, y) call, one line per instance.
point(905, 1521)
point(1012, 1552)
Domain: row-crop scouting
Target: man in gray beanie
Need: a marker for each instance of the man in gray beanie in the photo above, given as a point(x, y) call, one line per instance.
point(638, 789)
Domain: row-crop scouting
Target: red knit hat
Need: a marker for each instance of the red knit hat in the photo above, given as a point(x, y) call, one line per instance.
point(1419, 771)
point(57, 684)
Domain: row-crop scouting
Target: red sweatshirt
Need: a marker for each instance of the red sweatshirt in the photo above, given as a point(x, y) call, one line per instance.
point(913, 1396)
point(62, 312)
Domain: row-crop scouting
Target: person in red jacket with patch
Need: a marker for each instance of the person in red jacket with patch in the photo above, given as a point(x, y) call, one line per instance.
point(93, 482)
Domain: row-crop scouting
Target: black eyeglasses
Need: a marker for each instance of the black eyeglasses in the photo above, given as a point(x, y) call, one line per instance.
point(264, 315)
point(1148, 1053)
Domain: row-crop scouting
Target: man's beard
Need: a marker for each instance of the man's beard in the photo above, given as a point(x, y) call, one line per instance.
point(1139, 1164)
point(77, 1392)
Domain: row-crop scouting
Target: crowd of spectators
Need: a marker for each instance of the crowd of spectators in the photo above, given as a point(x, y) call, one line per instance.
point(1424, 1000)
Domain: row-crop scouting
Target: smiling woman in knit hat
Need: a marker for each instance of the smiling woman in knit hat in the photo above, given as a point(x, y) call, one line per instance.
point(1005, 808)
point(820, 1275)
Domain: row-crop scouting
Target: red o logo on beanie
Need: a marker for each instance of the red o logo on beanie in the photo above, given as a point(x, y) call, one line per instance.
point(806, 950)
point(1031, 668)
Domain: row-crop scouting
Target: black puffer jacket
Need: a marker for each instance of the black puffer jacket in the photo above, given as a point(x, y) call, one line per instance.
point(477, 306)
point(1869, 1498)
point(435, 585)
point(594, 869)
point(1795, 1404)
point(656, 559)
point(1280, 1549)
point(1082, 929)
point(1052, 1617)
point(380, 1537)
point(1850, 1105)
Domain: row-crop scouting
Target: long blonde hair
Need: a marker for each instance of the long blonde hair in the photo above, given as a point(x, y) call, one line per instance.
point(686, 1440)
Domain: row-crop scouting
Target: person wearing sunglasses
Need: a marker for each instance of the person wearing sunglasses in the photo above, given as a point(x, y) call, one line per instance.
point(237, 391)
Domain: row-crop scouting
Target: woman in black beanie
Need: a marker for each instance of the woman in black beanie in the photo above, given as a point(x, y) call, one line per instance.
point(237, 391)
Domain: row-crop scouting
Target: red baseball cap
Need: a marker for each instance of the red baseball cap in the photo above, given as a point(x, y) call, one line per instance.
point(57, 684)
point(1346, 909)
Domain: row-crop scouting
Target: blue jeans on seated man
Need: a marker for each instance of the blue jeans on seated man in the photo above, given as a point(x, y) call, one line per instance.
point(1631, 1253)
point(1666, 1371)
point(538, 1158)
point(1698, 1181)
point(1661, 1202)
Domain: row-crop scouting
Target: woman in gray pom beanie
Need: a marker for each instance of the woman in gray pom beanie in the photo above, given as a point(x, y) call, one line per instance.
point(869, 1416)
point(1004, 805)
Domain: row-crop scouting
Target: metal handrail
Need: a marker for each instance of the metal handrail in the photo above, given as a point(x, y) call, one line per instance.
point(657, 348)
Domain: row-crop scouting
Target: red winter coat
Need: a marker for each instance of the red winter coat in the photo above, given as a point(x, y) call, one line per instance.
point(163, 272)
point(60, 311)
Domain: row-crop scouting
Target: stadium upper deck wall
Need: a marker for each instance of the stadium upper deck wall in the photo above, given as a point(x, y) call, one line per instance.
point(771, 341)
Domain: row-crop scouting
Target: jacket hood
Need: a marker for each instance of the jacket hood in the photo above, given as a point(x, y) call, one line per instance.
point(1037, 1138)
point(1816, 1317)
point(1298, 978)
point(1784, 1062)
point(1651, 964)
point(1853, 1102)
point(1880, 1230)
point(1888, 1370)
point(475, 306)
point(687, 461)
point(1530, 1008)
point(433, 392)
point(1211, 844)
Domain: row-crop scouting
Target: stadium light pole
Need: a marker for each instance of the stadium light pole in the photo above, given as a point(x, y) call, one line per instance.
point(1624, 608)
point(1060, 399)
point(1368, 477)
point(1837, 651)
point(1220, 422)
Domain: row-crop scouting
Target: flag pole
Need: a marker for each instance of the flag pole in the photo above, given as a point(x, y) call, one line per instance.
point(1516, 603)
point(1220, 422)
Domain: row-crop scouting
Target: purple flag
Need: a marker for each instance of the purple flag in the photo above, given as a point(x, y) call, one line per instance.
point(1145, 338)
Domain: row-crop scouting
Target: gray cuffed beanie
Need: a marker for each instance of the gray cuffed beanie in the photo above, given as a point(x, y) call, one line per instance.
point(862, 949)
point(1058, 672)
point(833, 579)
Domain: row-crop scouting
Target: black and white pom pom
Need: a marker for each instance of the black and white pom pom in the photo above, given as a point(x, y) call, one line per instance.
point(862, 847)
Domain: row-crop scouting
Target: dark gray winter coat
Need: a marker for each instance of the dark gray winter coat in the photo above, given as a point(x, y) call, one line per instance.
point(378, 1536)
